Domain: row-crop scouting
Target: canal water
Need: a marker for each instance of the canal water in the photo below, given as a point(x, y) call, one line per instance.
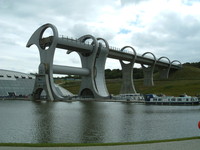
point(94, 122)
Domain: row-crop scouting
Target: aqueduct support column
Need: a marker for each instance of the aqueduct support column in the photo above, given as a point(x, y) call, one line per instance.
point(148, 71)
point(164, 72)
point(127, 74)
point(93, 85)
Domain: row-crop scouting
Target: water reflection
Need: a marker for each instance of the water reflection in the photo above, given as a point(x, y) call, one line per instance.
point(128, 123)
point(43, 121)
point(94, 122)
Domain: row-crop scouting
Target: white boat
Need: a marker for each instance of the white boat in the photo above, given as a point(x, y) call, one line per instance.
point(134, 97)
point(171, 100)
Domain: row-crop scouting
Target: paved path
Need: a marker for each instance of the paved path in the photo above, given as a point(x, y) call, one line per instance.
point(178, 145)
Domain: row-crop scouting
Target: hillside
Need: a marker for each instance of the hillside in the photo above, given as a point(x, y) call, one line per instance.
point(187, 72)
point(186, 80)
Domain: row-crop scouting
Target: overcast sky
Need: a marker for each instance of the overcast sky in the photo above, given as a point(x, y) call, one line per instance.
point(168, 28)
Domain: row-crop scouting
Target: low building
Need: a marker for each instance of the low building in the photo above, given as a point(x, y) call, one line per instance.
point(20, 85)
point(15, 84)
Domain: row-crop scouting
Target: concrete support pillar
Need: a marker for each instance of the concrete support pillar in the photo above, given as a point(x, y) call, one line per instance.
point(164, 72)
point(148, 76)
point(127, 74)
point(93, 85)
point(44, 79)
point(148, 71)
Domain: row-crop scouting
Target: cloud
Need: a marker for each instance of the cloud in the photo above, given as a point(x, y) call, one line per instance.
point(172, 35)
point(166, 28)
point(127, 2)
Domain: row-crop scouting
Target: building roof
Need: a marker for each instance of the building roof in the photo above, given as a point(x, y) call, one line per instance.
point(13, 75)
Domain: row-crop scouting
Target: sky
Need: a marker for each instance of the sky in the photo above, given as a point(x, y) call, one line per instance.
point(168, 28)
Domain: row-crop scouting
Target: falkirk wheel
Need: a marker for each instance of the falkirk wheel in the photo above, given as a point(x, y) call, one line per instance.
point(93, 59)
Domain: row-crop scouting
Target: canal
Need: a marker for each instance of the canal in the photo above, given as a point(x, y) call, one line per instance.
point(94, 122)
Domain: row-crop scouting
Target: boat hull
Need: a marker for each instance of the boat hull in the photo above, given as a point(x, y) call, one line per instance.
point(171, 100)
point(171, 103)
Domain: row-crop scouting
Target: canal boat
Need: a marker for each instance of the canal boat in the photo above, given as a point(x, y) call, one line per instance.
point(171, 100)
point(133, 97)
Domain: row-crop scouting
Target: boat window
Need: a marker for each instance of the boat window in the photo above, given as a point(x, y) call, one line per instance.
point(179, 99)
point(173, 99)
point(1, 75)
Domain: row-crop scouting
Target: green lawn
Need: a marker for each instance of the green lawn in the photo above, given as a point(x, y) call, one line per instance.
point(171, 87)
point(186, 80)
point(167, 87)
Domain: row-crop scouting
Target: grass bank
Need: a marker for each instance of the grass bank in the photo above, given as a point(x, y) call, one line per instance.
point(90, 144)
point(186, 80)
point(168, 87)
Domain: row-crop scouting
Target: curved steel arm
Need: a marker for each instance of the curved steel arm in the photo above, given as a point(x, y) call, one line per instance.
point(153, 57)
point(176, 61)
point(135, 54)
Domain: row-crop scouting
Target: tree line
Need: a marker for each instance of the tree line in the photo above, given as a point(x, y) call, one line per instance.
point(117, 73)
point(194, 64)
point(110, 74)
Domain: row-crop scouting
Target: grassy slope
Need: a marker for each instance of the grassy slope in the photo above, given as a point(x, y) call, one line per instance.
point(186, 80)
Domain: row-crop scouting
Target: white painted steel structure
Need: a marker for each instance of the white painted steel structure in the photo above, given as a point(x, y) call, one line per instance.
point(93, 58)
